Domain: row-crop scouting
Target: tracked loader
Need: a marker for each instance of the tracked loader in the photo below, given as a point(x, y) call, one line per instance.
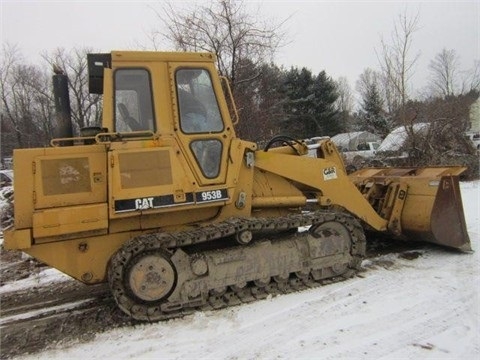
point(176, 213)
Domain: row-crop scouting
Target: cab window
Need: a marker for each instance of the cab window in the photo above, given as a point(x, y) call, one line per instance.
point(198, 107)
point(208, 154)
point(133, 100)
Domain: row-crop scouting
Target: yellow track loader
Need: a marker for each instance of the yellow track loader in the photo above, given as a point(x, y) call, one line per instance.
point(165, 203)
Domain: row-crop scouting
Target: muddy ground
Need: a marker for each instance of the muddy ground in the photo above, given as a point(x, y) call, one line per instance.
point(40, 317)
point(44, 316)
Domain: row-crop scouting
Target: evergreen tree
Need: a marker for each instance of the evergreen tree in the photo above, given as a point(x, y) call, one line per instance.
point(296, 89)
point(327, 117)
point(259, 102)
point(372, 116)
point(309, 104)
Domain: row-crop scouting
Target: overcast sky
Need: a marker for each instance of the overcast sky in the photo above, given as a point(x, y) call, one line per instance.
point(339, 37)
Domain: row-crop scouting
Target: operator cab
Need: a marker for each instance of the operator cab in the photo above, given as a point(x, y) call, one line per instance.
point(167, 95)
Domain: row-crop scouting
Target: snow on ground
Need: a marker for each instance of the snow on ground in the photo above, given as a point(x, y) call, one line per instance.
point(30, 314)
point(43, 277)
point(427, 307)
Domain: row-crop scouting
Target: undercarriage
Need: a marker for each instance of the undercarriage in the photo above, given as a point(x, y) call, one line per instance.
point(159, 276)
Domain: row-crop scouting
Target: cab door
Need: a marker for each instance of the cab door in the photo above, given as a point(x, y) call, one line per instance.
point(202, 122)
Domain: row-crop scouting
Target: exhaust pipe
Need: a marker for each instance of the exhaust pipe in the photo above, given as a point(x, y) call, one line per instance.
point(63, 128)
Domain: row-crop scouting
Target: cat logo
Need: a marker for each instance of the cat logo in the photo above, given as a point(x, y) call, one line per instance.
point(144, 203)
point(329, 173)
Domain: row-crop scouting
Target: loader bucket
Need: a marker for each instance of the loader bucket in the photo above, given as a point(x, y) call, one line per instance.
point(430, 208)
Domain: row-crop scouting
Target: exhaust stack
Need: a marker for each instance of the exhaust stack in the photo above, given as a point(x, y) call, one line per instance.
point(62, 106)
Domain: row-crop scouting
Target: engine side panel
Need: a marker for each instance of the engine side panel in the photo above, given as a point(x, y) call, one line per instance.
point(56, 178)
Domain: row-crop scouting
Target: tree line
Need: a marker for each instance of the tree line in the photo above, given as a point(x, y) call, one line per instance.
point(271, 99)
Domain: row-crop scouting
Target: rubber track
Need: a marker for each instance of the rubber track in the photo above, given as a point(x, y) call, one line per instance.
point(234, 295)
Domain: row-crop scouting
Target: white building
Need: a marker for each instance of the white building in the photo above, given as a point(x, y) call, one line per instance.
point(475, 116)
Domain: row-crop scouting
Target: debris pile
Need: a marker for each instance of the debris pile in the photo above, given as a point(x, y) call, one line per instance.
point(6, 206)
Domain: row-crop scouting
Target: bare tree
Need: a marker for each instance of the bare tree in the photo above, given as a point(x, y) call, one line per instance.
point(28, 110)
point(344, 102)
point(225, 28)
point(471, 79)
point(396, 61)
point(368, 79)
point(43, 102)
point(21, 87)
point(345, 96)
point(397, 66)
point(444, 73)
point(86, 107)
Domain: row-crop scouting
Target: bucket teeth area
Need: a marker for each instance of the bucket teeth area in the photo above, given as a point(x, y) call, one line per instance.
point(429, 208)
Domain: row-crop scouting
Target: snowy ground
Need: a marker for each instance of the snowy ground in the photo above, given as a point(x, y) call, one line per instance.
point(400, 307)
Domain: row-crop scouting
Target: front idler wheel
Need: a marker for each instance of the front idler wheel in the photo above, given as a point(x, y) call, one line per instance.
point(151, 277)
point(141, 279)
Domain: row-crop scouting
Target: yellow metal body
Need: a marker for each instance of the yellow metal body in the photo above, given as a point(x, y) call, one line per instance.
point(76, 205)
